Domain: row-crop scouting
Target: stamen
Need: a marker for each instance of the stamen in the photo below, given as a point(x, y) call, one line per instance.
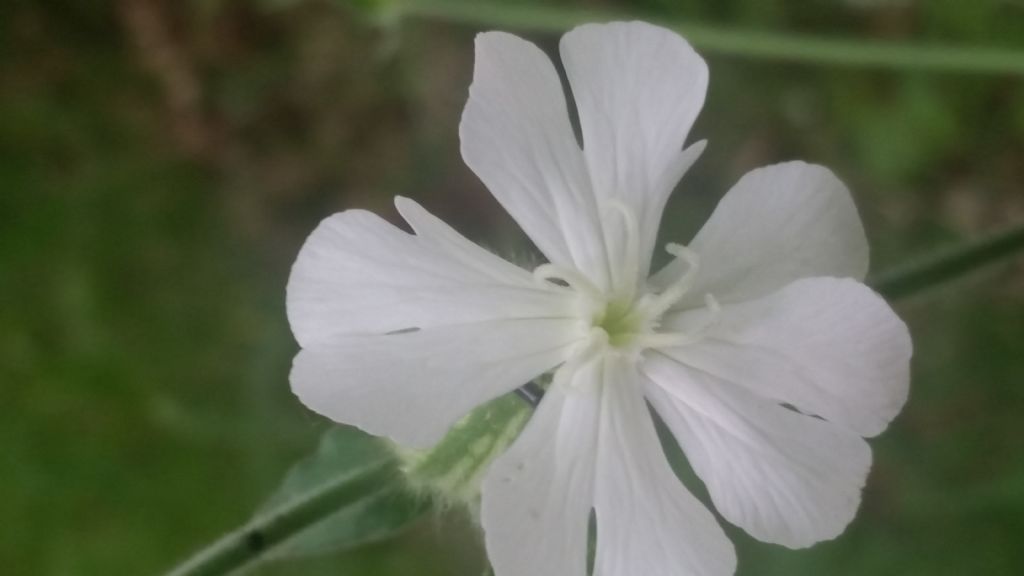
point(631, 263)
point(595, 343)
point(590, 347)
point(657, 305)
point(577, 281)
point(696, 334)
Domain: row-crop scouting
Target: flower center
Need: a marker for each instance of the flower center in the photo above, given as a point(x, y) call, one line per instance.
point(619, 322)
point(627, 323)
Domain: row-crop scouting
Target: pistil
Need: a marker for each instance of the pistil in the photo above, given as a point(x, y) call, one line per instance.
point(626, 282)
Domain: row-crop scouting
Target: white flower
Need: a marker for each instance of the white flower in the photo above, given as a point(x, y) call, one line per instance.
point(758, 345)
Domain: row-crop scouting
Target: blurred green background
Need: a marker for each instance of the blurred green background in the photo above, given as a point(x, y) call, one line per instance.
point(161, 162)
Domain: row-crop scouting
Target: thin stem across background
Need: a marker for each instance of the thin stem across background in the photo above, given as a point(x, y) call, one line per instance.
point(246, 546)
point(949, 264)
point(710, 38)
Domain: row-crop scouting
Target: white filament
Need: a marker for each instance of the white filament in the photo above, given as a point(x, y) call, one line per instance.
point(656, 305)
point(631, 256)
point(589, 348)
point(694, 335)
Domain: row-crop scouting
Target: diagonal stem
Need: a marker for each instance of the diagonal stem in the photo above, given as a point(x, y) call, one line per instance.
point(949, 264)
point(730, 41)
point(244, 547)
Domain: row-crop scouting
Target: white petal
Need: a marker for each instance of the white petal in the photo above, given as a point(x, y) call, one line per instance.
point(359, 274)
point(434, 232)
point(412, 386)
point(830, 347)
point(784, 477)
point(516, 137)
point(777, 224)
point(537, 497)
point(647, 522)
point(638, 89)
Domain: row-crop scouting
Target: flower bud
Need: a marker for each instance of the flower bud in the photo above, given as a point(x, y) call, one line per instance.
point(453, 469)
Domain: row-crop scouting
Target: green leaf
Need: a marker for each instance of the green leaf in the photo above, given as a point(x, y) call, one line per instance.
point(345, 452)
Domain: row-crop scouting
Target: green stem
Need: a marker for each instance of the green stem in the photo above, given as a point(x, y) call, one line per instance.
point(731, 42)
point(245, 546)
point(948, 265)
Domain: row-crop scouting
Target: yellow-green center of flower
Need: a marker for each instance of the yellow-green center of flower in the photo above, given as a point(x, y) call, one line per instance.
point(620, 322)
point(625, 313)
point(630, 323)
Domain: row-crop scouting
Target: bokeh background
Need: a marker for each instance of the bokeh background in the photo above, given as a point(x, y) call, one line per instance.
point(161, 162)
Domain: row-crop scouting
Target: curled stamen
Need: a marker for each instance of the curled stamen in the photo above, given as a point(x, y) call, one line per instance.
point(595, 342)
point(589, 347)
point(696, 333)
point(658, 304)
point(577, 281)
point(631, 261)
point(710, 320)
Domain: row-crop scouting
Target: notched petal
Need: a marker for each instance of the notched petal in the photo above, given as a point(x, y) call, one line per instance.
point(358, 274)
point(784, 477)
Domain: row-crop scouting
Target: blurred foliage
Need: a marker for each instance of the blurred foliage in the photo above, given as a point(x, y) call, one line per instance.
point(161, 162)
